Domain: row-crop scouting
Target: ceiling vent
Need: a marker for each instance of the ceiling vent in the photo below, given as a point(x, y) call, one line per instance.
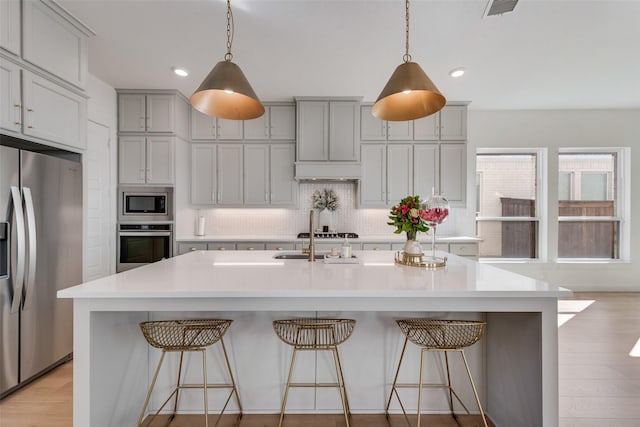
point(498, 7)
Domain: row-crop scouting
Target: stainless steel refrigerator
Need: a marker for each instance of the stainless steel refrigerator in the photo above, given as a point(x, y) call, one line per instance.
point(40, 253)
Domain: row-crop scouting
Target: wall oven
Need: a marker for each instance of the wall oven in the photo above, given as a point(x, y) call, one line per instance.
point(141, 244)
point(145, 204)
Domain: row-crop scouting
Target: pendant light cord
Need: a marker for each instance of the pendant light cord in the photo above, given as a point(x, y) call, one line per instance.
point(406, 56)
point(229, 56)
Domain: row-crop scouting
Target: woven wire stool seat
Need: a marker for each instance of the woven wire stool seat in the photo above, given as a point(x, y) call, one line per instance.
point(306, 334)
point(193, 335)
point(442, 336)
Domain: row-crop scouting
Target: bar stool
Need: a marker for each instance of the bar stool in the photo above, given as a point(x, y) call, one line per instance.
point(188, 336)
point(315, 334)
point(443, 336)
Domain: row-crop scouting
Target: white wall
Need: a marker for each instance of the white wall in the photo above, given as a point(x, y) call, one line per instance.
point(102, 109)
point(552, 130)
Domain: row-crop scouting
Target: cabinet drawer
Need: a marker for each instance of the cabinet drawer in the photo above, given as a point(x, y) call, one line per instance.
point(183, 248)
point(464, 249)
point(250, 246)
point(221, 246)
point(439, 246)
point(280, 246)
point(376, 247)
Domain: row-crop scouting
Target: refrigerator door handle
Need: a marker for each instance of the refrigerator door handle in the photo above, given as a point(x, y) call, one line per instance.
point(18, 278)
point(31, 227)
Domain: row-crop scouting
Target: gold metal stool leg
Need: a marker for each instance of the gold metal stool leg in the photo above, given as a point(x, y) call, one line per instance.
point(420, 385)
point(341, 386)
point(153, 383)
point(473, 386)
point(234, 389)
point(286, 388)
point(204, 385)
point(175, 405)
point(394, 389)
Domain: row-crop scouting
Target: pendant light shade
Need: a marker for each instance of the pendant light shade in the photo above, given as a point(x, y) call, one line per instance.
point(226, 92)
point(409, 94)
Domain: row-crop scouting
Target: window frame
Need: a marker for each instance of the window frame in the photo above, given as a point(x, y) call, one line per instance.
point(540, 218)
point(622, 198)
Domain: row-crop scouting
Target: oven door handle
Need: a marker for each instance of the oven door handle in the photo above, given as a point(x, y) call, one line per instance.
point(145, 233)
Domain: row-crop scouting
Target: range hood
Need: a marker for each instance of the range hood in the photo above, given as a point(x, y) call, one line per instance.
point(327, 171)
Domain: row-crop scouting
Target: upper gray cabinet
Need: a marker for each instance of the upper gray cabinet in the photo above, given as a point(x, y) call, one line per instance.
point(449, 124)
point(54, 40)
point(207, 128)
point(328, 129)
point(278, 123)
point(10, 26)
point(146, 113)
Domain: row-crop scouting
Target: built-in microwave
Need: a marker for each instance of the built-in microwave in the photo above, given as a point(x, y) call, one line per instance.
point(146, 204)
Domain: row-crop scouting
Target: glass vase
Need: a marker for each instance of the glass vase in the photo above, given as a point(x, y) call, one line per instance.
point(412, 246)
point(437, 212)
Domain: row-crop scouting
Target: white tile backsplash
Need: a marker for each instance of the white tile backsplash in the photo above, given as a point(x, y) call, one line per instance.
point(268, 221)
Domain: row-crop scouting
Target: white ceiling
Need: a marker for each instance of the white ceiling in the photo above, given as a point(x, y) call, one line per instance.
point(547, 54)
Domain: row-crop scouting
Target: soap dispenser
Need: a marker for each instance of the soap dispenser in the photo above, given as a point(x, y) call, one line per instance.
point(345, 249)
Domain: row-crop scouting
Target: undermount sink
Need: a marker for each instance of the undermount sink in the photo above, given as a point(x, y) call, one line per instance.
point(297, 256)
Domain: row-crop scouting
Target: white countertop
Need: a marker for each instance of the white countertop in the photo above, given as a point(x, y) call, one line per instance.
point(391, 237)
point(256, 274)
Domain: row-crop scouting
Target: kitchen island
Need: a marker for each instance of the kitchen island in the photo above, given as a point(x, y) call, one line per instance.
point(515, 364)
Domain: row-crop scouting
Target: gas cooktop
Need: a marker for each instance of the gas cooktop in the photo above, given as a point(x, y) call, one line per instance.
point(328, 235)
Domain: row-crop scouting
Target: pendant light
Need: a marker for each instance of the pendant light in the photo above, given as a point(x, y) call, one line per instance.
point(409, 94)
point(226, 92)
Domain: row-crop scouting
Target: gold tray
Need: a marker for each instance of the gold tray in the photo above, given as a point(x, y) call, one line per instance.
point(419, 261)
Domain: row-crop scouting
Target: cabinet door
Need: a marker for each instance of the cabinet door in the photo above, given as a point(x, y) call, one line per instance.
point(399, 172)
point(184, 248)
point(132, 114)
point(313, 130)
point(229, 129)
point(203, 127)
point(53, 43)
point(160, 113)
point(400, 131)
point(425, 169)
point(426, 128)
point(453, 123)
point(374, 173)
point(284, 188)
point(230, 174)
point(10, 25)
point(11, 101)
point(203, 174)
point(371, 128)
point(343, 131)
point(132, 160)
point(256, 174)
point(250, 246)
point(453, 173)
point(160, 162)
point(282, 122)
point(257, 129)
point(53, 113)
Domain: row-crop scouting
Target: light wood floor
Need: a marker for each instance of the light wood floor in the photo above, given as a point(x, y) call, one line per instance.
point(599, 381)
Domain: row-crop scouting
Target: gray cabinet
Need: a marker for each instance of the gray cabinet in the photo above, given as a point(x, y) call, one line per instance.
point(146, 160)
point(250, 246)
point(387, 174)
point(278, 123)
point(208, 128)
point(449, 124)
point(256, 175)
point(54, 41)
point(284, 188)
point(10, 24)
point(153, 113)
point(453, 173)
point(53, 113)
point(230, 174)
point(426, 169)
point(11, 100)
point(187, 247)
point(204, 182)
point(327, 130)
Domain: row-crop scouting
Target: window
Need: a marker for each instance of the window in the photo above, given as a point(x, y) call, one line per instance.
point(589, 222)
point(507, 205)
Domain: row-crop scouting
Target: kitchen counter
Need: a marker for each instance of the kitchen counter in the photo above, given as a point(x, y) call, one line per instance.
point(369, 238)
point(515, 363)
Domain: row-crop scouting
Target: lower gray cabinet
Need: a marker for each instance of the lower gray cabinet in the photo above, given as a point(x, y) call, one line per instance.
point(250, 246)
point(187, 247)
point(280, 246)
point(221, 246)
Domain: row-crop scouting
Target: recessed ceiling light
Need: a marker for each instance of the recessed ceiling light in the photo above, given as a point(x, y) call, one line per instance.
point(180, 72)
point(456, 72)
